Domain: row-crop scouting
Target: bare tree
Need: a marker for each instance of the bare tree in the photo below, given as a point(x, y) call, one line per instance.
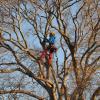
point(74, 65)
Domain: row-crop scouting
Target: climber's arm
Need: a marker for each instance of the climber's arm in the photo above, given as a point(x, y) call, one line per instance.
point(45, 40)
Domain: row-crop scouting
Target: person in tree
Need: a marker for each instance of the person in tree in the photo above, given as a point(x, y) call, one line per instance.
point(50, 48)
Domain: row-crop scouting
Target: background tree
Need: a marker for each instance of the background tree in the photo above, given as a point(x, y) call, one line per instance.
point(75, 66)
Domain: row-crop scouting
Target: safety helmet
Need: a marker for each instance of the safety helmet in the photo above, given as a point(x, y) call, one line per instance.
point(52, 33)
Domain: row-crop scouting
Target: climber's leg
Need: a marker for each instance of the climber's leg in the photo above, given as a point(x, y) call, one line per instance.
point(50, 58)
point(43, 54)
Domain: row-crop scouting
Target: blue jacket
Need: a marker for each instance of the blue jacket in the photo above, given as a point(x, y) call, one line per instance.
point(51, 39)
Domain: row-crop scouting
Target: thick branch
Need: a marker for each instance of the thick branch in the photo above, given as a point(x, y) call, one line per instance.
point(23, 92)
point(9, 70)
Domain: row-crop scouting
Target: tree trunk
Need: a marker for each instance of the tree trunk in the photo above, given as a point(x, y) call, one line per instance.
point(53, 96)
point(96, 92)
point(52, 93)
point(80, 94)
point(77, 94)
point(74, 94)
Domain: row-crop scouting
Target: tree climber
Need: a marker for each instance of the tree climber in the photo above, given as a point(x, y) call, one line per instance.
point(50, 48)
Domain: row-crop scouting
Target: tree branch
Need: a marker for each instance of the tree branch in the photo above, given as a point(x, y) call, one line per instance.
point(9, 70)
point(22, 92)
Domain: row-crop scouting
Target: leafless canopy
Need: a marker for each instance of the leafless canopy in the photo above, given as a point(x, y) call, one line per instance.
point(75, 67)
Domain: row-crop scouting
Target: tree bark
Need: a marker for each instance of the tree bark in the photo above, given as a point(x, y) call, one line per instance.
point(96, 92)
point(52, 93)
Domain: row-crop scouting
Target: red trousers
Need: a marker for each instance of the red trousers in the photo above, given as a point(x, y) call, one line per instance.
point(43, 54)
point(51, 50)
point(50, 58)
